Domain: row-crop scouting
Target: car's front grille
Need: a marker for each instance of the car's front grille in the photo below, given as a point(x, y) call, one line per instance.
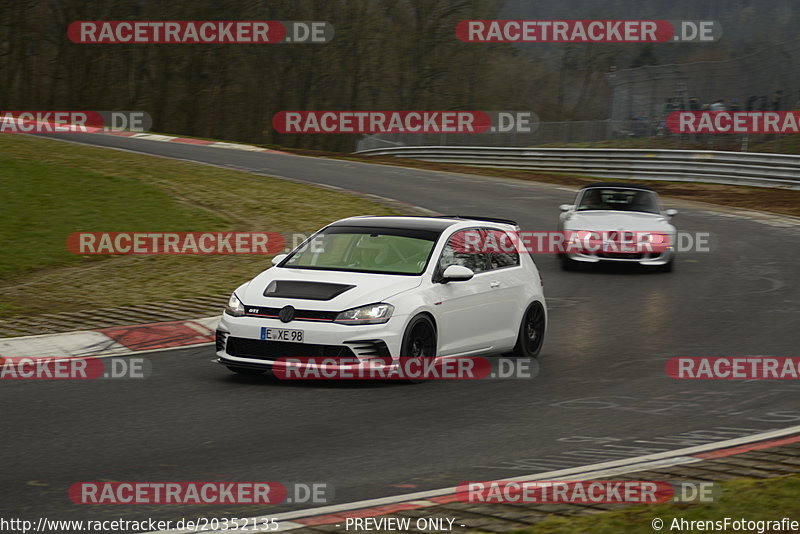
point(299, 315)
point(621, 255)
point(314, 315)
point(270, 350)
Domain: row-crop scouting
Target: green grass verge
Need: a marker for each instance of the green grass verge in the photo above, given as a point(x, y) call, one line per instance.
point(44, 200)
point(751, 499)
point(52, 189)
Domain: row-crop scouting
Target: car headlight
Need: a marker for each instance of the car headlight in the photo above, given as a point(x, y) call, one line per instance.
point(654, 238)
point(370, 314)
point(235, 306)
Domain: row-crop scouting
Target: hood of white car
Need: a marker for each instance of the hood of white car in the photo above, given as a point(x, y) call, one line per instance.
point(603, 221)
point(322, 290)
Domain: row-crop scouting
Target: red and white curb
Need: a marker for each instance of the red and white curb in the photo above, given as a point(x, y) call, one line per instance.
point(112, 341)
point(190, 141)
point(336, 514)
point(147, 136)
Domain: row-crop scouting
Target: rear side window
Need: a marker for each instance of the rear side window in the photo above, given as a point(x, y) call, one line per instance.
point(500, 248)
point(459, 251)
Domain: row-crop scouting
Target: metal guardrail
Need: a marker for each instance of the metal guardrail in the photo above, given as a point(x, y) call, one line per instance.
point(731, 168)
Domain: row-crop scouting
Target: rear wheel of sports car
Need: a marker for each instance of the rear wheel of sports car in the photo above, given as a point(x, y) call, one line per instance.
point(245, 370)
point(531, 332)
point(419, 340)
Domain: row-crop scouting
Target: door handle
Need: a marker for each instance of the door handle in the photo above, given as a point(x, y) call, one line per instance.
point(494, 284)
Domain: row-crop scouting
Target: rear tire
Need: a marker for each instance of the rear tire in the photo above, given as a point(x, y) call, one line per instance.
point(531, 332)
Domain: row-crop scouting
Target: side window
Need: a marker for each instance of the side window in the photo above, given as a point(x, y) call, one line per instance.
point(458, 251)
point(501, 249)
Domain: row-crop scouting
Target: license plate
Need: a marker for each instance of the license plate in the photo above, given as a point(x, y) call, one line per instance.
point(616, 246)
point(282, 334)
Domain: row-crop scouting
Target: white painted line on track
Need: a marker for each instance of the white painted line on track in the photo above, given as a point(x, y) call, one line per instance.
point(153, 137)
point(604, 469)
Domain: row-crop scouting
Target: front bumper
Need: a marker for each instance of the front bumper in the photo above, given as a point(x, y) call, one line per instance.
point(642, 258)
point(239, 341)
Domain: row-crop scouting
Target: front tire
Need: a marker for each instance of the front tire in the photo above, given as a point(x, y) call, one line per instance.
point(531, 332)
point(419, 340)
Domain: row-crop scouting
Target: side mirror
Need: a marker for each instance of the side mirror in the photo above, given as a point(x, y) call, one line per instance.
point(671, 212)
point(565, 207)
point(456, 273)
point(279, 258)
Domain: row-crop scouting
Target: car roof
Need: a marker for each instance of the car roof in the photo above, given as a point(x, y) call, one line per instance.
point(614, 185)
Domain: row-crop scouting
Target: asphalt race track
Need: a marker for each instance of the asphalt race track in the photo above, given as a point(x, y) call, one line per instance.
point(602, 392)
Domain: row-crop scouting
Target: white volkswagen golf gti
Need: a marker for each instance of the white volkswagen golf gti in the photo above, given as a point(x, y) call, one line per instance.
point(385, 287)
point(617, 223)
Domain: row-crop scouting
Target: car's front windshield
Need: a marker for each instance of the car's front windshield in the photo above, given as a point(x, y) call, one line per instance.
point(617, 199)
point(370, 250)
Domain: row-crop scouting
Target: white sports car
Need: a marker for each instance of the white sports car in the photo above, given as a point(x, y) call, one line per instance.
point(617, 223)
point(385, 287)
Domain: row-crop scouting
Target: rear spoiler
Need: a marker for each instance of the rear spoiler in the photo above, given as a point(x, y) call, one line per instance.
point(487, 219)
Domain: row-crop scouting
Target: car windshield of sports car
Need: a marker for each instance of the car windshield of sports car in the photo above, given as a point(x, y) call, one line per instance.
point(618, 200)
point(365, 250)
